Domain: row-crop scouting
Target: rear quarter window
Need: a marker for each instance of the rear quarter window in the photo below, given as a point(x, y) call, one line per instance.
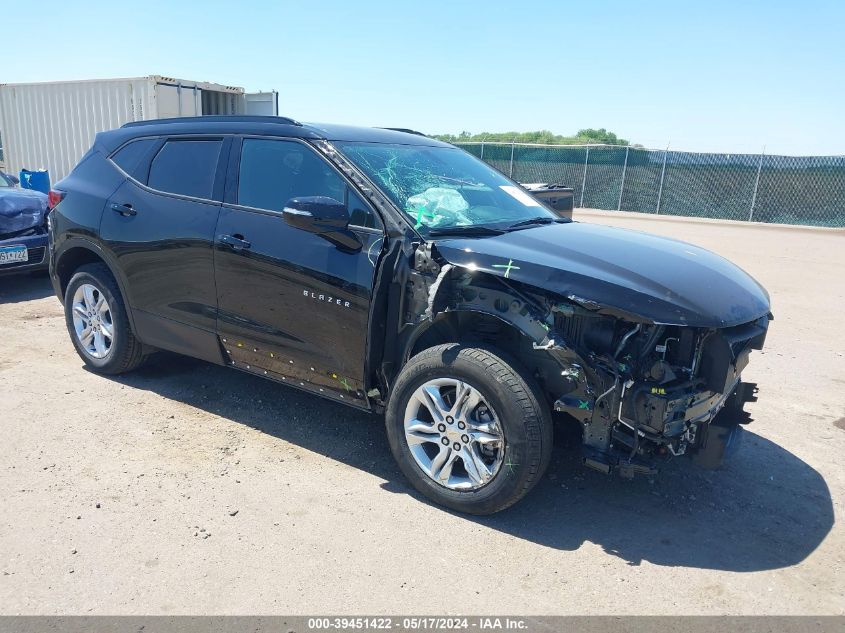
point(186, 168)
point(129, 156)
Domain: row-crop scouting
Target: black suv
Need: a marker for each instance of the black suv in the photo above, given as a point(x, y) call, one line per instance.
point(400, 275)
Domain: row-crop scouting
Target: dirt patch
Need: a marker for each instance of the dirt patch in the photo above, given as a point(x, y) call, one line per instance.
point(131, 483)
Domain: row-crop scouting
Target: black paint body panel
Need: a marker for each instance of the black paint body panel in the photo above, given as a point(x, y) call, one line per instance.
point(226, 283)
point(295, 295)
point(165, 252)
point(644, 276)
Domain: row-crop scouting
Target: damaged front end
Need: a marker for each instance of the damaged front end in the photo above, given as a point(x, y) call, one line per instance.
point(639, 339)
point(642, 389)
point(653, 391)
point(23, 212)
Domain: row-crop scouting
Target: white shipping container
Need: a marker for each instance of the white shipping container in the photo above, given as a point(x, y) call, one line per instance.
point(52, 125)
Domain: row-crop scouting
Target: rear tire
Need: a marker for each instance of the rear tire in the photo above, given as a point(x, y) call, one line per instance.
point(97, 322)
point(510, 428)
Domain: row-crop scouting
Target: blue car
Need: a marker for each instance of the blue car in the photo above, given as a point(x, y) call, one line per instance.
point(23, 228)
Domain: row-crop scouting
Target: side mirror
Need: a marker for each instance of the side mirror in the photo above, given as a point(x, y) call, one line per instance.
point(323, 216)
point(316, 214)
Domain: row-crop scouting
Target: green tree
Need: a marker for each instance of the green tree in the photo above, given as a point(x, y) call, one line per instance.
point(544, 137)
point(600, 135)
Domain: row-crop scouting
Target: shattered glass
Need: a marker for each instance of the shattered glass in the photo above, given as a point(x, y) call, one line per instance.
point(439, 204)
point(442, 187)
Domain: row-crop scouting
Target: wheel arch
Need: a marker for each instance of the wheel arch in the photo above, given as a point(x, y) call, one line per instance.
point(452, 326)
point(493, 331)
point(78, 252)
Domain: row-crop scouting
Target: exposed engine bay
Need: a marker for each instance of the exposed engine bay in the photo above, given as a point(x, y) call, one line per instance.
point(641, 391)
point(661, 387)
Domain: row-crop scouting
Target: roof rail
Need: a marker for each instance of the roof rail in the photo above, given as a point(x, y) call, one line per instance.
point(406, 130)
point(218, 118)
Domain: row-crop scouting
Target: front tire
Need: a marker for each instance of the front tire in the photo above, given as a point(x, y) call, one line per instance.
point(97, 322)
point(468, 429)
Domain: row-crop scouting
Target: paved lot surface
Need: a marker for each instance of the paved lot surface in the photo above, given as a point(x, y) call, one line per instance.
point(119, 495)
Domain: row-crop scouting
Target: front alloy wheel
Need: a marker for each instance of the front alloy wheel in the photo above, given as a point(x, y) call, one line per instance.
point(453, 434)
point(468, 427)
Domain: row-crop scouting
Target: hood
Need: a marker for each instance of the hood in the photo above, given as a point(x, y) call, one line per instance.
point(618, 271)
point(21, 209)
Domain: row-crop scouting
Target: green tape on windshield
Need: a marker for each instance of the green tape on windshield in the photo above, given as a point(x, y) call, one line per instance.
point(422, 214)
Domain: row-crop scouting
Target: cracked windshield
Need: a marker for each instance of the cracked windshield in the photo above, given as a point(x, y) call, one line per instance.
point(444, 190)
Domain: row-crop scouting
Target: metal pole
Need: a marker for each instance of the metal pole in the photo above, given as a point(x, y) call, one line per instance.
point(622, 184)
point(756, 185)
point(662, 175)
point(584, 179)
point(482, 150)
point(512, 146)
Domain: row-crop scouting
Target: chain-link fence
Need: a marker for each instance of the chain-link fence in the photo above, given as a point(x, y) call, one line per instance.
point(756, 187)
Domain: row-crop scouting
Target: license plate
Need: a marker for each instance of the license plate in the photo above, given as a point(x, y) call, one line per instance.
point(13, 254)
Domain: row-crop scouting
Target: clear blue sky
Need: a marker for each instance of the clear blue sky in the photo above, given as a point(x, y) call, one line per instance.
point(707, 75)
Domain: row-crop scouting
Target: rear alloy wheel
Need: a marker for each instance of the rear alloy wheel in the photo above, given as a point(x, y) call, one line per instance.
point(97, 322)
point(468, 428)
point(92, 321)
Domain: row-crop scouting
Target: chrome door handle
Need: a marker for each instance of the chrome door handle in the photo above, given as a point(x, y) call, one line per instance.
point(237, 242)
point(124, 209)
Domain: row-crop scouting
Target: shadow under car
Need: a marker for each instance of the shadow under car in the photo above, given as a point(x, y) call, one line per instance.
point(766, 509)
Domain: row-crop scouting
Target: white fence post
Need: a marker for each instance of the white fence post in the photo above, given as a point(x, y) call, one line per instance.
point(756, 185)
point(622, 184)
point(513, 141)
point(584, 179)
point(662, 175)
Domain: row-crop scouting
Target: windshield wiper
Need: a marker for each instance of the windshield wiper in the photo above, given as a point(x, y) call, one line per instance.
point(532, 221)
point(464, 230)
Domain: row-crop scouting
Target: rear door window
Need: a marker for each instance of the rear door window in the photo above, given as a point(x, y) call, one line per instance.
point(186, 167)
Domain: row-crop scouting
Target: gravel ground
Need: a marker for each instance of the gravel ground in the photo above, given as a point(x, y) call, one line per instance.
point(189, 488)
